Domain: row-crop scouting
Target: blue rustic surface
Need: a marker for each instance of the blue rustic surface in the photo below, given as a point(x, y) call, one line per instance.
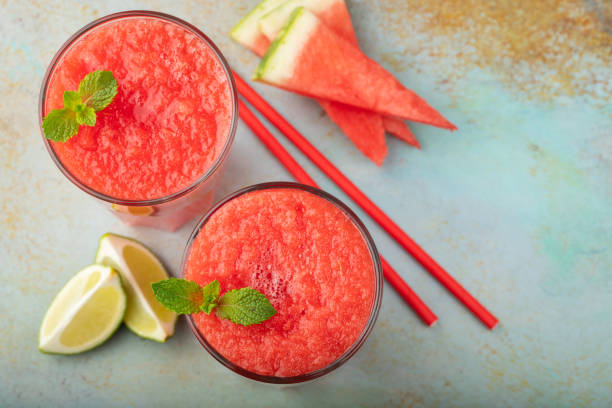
point(517, 205)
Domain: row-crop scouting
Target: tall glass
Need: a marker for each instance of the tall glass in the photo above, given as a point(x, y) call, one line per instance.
point(173, 210)
point(378, 285)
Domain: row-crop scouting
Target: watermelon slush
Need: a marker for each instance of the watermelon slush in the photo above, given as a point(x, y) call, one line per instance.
point(312, 258)
point(156, 150)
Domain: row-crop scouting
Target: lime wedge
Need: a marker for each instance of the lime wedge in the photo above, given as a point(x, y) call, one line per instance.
point(86, 312)
point(138, 268)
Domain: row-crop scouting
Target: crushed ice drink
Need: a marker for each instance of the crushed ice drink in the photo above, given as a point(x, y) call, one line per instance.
point(313, 261)
point(170, 124)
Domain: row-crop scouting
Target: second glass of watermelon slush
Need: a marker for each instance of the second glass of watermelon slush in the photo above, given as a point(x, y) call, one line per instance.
point(157, 151)
point(311, 256)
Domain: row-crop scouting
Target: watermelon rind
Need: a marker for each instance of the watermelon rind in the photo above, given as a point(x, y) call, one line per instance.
point(246, 31)
point(278, 64)
point(272, 22)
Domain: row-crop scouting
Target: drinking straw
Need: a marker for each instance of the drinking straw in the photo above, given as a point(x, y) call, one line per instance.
point(402, 288)
point(486, 317)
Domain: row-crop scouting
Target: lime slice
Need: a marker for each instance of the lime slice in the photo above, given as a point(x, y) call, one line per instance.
point(138, 268)
point(85, 313)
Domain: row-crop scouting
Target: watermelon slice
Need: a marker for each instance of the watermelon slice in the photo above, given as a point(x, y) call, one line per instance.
point(247, 33)
point(365, 129)
point(399, 129)
point(336, 16)
point(331, 12)
point(310, 59)
point(362, 127)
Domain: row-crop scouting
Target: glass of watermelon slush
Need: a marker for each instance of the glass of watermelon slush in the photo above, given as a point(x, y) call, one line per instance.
point(156, 152)
point(311, 256)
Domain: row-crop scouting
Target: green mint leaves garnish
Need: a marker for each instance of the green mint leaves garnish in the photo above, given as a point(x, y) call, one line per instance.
point(244, 306)
point(96, 92)
point(60, 125)
point(179, 295)
point(211, 296)
point(72, 100)
point(98, 89)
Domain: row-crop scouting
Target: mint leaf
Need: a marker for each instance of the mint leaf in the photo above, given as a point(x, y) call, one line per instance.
point(245, 306)
point(179, 295)
point(72, 100)
point(60, 125)
point(85, 115)
point(98, 89)
point(210, 293)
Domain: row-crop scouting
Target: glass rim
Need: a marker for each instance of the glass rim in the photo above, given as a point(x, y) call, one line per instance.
point(378, 281)
point(233, 91)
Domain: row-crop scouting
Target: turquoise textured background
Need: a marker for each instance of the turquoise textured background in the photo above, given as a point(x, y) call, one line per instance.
point(517, 205)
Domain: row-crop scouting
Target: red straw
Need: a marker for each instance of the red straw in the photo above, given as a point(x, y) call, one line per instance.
point(420, 308)
point(364, 202)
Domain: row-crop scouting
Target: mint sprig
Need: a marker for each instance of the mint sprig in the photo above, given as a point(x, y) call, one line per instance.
point(179, 295)
point(211, 296)
point(96, 91)
point(244, 306)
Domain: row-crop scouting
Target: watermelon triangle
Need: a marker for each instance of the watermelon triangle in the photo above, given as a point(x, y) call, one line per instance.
point(363, 127)
point(246, 32)
point(399, 129)
point(309, 58)
point(335, 15)
point(332, 13)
